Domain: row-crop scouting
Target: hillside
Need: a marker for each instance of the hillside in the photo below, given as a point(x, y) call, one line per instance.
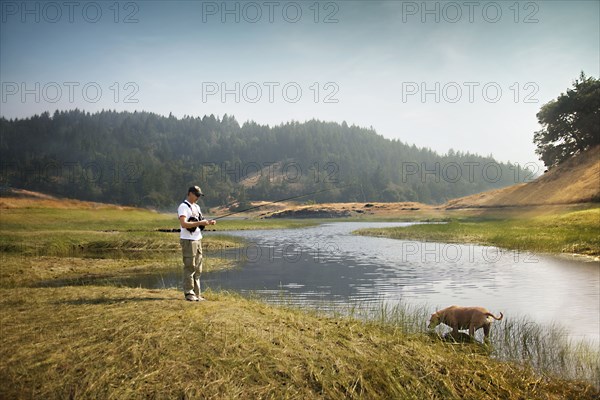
point(575, 181)
point(21, 198)
point(144, 159)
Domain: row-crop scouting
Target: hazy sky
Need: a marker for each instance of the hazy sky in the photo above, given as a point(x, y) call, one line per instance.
point(466, 75)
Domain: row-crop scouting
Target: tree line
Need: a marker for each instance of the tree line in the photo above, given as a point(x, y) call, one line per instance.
point(145, 159)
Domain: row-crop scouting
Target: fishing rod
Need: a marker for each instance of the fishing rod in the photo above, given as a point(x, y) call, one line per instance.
point(279, 201)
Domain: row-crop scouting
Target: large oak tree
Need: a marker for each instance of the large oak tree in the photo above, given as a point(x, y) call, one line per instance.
point(571, 123)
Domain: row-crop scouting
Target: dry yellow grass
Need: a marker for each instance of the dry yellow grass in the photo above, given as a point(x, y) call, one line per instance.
point(114, 343)
point(21, 198)
point(575, 181)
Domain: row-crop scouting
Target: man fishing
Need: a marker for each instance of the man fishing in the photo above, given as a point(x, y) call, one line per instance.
point(192, 223)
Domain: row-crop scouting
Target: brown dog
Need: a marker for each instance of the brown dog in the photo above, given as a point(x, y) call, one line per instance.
point(471, 318)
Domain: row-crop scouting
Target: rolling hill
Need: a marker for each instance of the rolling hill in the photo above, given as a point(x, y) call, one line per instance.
point(575, 181)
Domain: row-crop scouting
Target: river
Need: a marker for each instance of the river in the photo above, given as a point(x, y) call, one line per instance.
point(326, 265)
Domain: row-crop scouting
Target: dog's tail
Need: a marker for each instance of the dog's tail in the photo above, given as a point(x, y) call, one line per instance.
point(496, 318)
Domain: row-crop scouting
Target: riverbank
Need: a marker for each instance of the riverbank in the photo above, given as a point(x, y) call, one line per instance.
point(556, 230)
point(108, 342)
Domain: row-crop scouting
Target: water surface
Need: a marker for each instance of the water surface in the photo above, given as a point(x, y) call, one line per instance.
point(326, 265)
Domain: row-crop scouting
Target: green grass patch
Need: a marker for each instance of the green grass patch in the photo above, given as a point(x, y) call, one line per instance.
point(111, 220)
point(565, 231)
point(47, 244)
point(104, 219)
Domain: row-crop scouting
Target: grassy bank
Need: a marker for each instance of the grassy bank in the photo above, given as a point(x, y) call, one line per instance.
point(54, 240)
point(51, 231)
point(114, 342)
point(553, 230)
point(102, 342)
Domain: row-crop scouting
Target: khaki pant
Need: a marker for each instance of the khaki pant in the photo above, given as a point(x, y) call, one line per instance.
point(192, 265)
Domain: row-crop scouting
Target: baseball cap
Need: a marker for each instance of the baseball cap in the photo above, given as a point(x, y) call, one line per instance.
point(196, 190)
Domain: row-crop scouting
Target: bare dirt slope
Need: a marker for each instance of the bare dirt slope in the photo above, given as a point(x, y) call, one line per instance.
point(575, 181)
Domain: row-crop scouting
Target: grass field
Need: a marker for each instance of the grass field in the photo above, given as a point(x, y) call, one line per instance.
point(103, 342)
point(107, 342)
point(550, 230)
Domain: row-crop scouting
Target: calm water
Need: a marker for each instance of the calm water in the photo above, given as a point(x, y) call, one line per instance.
point(328, 265)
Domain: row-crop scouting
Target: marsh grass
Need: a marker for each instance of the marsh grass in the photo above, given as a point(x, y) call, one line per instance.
point(544, 348)
point(408, 318)
point(547, 348)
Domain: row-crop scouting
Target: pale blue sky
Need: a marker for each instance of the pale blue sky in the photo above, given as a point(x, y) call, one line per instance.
point(372, 57)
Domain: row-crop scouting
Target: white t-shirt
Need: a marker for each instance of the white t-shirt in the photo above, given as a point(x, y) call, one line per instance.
point(184, 209)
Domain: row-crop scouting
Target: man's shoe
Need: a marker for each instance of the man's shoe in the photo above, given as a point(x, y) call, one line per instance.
point(191, 297)
point(200, 298)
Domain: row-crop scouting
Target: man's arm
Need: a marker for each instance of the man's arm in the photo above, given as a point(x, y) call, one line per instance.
point(185, 224)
